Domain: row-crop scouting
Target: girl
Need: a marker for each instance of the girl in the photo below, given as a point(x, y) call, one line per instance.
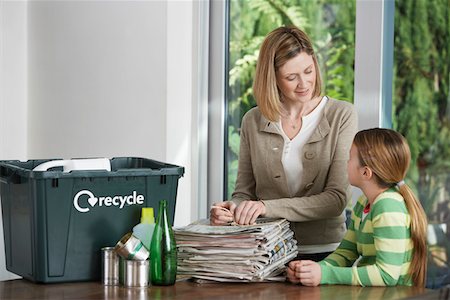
point(386, 240)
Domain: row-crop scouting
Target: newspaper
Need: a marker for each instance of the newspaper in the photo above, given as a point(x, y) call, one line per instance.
point(247, 253)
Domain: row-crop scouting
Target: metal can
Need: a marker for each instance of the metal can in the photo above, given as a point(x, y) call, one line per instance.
point(136, 273)
point(110, 266)
point(131, 248)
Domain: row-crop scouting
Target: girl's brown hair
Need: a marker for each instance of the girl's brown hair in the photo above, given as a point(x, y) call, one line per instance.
point(279, 46)
point(387, 153)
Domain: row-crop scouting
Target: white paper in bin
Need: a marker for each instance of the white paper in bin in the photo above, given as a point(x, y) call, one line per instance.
point(76, 164)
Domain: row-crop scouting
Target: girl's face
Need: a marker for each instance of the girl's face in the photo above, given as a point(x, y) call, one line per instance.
point(354, 168)
point(296, 79)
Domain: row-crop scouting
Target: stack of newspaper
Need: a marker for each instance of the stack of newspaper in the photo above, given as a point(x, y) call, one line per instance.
point(235, 253)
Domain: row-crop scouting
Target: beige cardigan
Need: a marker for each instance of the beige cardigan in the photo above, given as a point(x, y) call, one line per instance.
point(316, 211)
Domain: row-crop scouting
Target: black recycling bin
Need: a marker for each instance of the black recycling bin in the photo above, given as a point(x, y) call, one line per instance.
point(56, 222)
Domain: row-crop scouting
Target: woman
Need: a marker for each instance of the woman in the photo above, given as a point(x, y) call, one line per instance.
point(386, 240)
point(294, 148)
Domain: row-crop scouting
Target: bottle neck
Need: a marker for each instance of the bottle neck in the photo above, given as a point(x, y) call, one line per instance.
point(162, 214)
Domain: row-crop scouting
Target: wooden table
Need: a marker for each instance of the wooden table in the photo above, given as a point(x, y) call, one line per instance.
point(185, 290)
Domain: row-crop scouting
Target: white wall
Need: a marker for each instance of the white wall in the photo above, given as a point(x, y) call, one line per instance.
point(180, 137)
point(13, 80)
point(99, 78)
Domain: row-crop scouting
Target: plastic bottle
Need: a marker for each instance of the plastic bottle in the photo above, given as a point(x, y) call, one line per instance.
point(144, 230)
point(163, 250)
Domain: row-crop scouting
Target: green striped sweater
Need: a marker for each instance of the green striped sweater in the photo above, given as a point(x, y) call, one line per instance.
point(377, 248)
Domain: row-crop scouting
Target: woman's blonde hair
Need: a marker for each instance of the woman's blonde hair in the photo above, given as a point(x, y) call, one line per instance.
point(386, 153)
point(279, 46)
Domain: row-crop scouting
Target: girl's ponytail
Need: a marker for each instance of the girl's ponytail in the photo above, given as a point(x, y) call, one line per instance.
point(418, 266)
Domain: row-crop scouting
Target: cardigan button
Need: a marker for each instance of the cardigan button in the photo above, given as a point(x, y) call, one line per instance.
point(310, 155)
point(309, 186)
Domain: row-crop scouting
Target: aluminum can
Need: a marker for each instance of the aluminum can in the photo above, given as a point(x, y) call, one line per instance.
point(110, 266)
point(131, 248)
point(136, 273)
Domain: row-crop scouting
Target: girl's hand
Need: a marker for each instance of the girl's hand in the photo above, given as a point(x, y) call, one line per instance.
point(308, 272)
point(247, 212)
point(222, 213)
point(290, 271)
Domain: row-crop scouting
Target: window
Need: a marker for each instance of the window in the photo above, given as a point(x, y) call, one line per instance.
point(331, 27)
point(408, 39)
point(421, 113)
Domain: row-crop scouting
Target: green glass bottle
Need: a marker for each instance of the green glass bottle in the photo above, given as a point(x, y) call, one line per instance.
point(163, 250)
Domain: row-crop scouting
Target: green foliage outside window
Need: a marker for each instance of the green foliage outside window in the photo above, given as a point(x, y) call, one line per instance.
point(331, 27)
point(421, 95)
point(421, 89)
point(422, 114)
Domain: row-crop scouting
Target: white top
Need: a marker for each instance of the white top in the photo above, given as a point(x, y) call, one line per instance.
point(293, 167)
point(292, 151)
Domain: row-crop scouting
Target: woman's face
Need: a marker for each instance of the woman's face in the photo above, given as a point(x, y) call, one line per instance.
point(296, 79)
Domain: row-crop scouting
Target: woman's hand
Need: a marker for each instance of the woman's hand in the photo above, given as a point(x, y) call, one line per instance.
point(306, 272)
point(222, 213)
point(247, 212)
